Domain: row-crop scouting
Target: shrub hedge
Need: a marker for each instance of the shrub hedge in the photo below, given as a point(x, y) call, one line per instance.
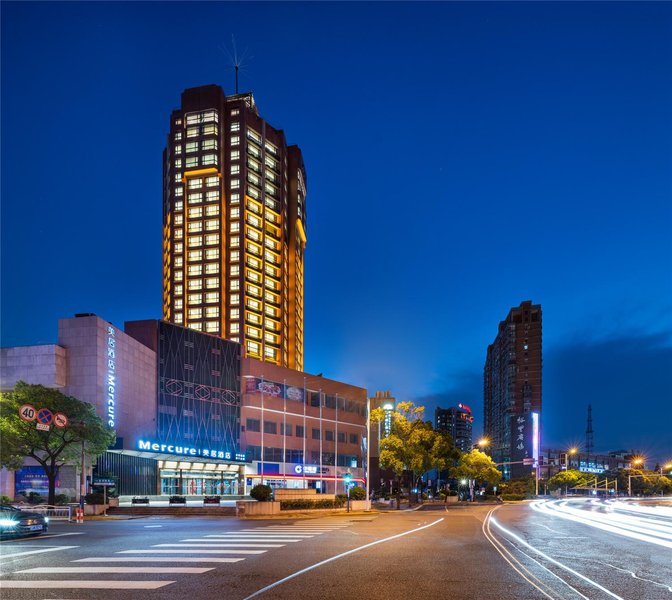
point(513, 496)
point(308, 504)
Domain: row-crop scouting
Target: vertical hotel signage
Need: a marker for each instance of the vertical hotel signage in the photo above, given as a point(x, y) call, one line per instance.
point(535, 438)
point(111, 376)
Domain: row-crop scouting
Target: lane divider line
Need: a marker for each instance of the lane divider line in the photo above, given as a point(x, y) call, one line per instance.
point(536, 562)
point(509, 558)
point(338, 556)
point(555, 562)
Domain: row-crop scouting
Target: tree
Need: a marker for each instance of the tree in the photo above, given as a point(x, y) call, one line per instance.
point(395, 449)
point(412, 445)
point(569, 479)
point(476, 466)
point(430, 449)
point(54, 448)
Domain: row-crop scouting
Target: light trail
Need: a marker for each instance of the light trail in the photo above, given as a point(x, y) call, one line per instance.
point(644, 529)
point(552, 560)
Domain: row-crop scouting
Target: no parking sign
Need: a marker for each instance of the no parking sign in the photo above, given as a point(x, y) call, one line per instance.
point(45, 416)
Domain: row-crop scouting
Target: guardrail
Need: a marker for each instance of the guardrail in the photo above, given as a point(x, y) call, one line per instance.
point(56, 513)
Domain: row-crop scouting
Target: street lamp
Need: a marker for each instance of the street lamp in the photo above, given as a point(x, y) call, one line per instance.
point(483, 442)
point(667, 467)
point(570, 452)
point(635, 462)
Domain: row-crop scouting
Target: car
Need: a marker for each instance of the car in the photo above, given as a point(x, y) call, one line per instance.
point(15, 522)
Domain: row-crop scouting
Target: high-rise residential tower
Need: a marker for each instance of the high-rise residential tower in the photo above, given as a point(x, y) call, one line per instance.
point(234, 226)
point(458, 422)
point(512, 390)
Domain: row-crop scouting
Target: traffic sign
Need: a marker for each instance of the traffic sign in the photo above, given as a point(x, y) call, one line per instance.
point(60, 420)
point(27, 412)
point(43, 427)
point(44, 415)
point(528, 461)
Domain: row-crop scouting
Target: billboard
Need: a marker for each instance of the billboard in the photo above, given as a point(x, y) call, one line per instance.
point(271, 388)
point(31, 479)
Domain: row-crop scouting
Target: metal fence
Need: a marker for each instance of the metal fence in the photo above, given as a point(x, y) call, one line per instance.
point(55, 513)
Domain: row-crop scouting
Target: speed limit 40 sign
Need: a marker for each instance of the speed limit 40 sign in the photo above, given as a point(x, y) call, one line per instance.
point(27, 412)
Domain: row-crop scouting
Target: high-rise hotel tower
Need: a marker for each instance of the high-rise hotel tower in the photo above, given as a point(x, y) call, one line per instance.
point(512, 391)
point(234, 226)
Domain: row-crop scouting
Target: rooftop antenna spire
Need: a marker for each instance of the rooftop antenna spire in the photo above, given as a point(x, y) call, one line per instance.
point(236, 60)
point(589, 430)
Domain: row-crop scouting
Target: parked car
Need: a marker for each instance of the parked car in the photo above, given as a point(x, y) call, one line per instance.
point(17, 522)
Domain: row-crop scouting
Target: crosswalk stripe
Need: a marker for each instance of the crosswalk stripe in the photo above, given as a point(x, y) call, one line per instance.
point(63, 570)
point(185, 559)
point(195, 551)
point(263, 534)
point(228, 539)
point(4, 556)
point(216, 545)
point(105, 584)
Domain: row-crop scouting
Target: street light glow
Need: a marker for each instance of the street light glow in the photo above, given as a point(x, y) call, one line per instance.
point(483, 442)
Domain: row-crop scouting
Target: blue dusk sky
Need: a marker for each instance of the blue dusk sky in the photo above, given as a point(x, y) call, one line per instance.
point(461, 158)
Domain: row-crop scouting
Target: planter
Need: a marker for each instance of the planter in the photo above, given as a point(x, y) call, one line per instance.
point(94, 509)
point(211, 500)
point(451, 499)
point(246, 508)
point(113, 502)
point(144, 500)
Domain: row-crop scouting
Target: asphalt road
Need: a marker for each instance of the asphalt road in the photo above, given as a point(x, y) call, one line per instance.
point(458, 553)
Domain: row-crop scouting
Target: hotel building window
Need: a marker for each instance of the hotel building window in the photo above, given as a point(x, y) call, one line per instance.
point(271, 179)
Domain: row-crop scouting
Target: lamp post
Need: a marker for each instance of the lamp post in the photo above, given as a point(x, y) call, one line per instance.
point(667, 467)
point(368, 452)
point(82, 476)
point(570, 452)
point(636, 461)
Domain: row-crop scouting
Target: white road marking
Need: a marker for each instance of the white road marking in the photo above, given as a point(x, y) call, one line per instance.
point(216, 545)
point(555, 562)
point(191, 551)
point(61, 570)
point(212, 538)
point(266, 535)
point(106, 559)
point(105, 584)
point(4, 556)
point(328, 560)
point(55, 535)
point(152, 526)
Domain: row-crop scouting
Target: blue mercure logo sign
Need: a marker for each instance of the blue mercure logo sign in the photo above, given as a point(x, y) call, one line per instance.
point(182, 450)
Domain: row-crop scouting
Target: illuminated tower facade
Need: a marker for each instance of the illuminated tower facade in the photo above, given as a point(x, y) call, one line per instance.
point(512, 390)
point(234, 226)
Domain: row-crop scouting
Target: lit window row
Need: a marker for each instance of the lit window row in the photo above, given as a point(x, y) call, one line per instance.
point(197, 182)
point(207, 116)
point(197, 197)
point(199, 130)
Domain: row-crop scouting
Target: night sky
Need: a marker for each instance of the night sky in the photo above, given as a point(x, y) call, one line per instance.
point(461, 158)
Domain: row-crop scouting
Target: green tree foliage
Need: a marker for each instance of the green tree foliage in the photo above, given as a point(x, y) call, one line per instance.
point(54, 448)
point(523, 486)
point(357, 493)
point(569, 479)
point(412, 445)
point(261, 493)
point(477, 466)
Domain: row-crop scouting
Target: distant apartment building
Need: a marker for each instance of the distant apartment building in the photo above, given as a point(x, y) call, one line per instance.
point(458, 422)
point(512, 390)
point(234, 226)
